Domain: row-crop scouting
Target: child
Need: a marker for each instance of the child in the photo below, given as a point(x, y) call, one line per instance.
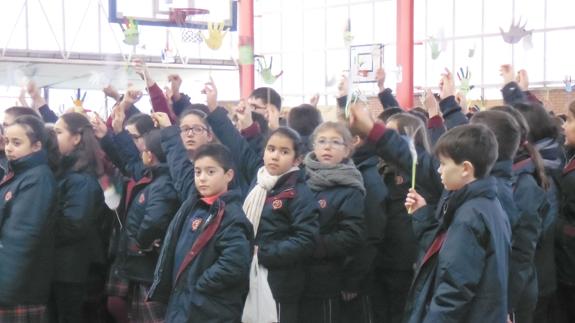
point(463, 274)
point(27, 222)
point(81, 203)
point(339, 189)
point(203, 267)
point(566, 226)
point(286, 209)
point(304, 119)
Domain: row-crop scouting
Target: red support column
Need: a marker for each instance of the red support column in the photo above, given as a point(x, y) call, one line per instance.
point(405, 52)
point(246, 44)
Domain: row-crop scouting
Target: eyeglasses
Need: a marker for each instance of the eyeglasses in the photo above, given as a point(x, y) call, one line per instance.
point(196, 130)
point(323, 143)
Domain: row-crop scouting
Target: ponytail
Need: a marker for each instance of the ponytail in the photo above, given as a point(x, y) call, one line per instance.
point(52, 150)
point(540, 174)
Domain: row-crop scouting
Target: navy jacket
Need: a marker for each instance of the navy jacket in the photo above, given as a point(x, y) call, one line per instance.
point(211, 288)
point(122, 151)
point(463, 277)
point(532, 205)
point(359, 267)
point(152, 204)
point(452, 113)
point(27, 204)
point(565, 239)
point(289, 220)
point(80, 208)
point(341, 232)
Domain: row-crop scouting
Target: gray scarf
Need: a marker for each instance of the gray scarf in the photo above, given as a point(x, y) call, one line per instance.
point(322, 176)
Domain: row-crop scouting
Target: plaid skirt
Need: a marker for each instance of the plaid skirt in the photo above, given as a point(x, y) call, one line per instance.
point(135, 294)
point(23, 314)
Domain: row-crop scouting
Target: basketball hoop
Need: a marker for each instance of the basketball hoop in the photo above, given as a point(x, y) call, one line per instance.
point(183, 16)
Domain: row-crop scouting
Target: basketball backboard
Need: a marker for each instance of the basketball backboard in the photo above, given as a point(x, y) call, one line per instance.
point(157, 12)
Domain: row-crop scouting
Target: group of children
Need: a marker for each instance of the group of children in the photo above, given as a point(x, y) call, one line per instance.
point(246, 217)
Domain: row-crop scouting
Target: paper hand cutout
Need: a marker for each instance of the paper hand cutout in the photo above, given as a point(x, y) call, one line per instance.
point(347, 35)
point(438, 44)
point(215, 35)
point(266, 71)
point(131, 33)
point(465, 79)
point(516, 32)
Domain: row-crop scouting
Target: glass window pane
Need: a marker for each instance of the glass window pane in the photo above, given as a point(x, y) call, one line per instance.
point(276, 62)
point(314, 73)
point(439, 17)
point(467, 17)
point(495, 54)
point(530, 12)
point(531, 59)
point(418, 66)
point(560, 13)
point(385, 24)
point(419, 15)
point(314, 29)
point(471, 64)
point(336, 21)
point(267, 6)
point(559, 62)
point(271, 29)
point(362, 23)
point(292, 64)
point(292, 32)
point(312, 3)
point(435, 67)
point(498, 14)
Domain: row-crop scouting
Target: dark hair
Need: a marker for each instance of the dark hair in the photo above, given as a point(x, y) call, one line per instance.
point(420, 113)
point(262, 122)
point(36, 131)
point(408, 124)
point(21, 111)
point(387, 113)
point(153, 142)
point(527, 146)
point(571, 108)
point(304, 119)
point(268, 96)
point(220, 153)
point(199, 106)
point(143, 123)
point(87, 151)
point(198, 113)
point(474, 143)
point(540, 122)
point(290, 134)
point(505, 128)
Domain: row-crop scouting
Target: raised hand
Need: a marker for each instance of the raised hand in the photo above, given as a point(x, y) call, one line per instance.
point(244, 114)
point(141, 69)
point(414, 201)
point(215, 35)
point(161, 119)
point(446, 85)
point(119, 115)
point(507, 73)
point(523, 80)
point(360, 118)
point(380, 78)
point(314, 100)
point(98, 124)
point(343, 86)
point(211, 92)
point(430, 103)
point(175, 84)
point(131, 97)
point(111, 92)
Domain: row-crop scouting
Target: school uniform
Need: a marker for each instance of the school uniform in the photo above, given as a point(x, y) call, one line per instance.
point(78, 243)
point(532, 204)
point(203, 269)
point(288, 223)
point(359, 269)
point(452, 113)
point(565, 245)
point(28, 199)
point(462, 277)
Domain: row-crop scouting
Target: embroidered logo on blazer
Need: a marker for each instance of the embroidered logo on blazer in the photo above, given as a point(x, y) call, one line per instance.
point(8, 196)
point(399, 180)
point(196, 224)
point(142, 199)
point(322, 203)
point(277, 204)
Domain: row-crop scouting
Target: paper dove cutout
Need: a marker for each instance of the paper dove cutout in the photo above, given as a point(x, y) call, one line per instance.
point(266, 71)
point(516, 32)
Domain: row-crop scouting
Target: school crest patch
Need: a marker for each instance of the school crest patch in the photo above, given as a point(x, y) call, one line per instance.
point(399, 180)
point(8, 196)
point(142, 199)
point(196, 224)
point(277, 204)
point(322, 203)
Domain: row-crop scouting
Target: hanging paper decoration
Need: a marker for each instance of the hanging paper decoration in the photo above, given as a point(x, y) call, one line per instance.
point(568, 84)
point(437, 44)
point(464, 79)
point(79, 102)
point(347, 35)
point(216, 35)
point(265, 71)
point(471, 52)
point(131, 33)
point(517, 32)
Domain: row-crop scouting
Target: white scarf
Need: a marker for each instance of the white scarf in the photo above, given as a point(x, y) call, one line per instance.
point(254, 202)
